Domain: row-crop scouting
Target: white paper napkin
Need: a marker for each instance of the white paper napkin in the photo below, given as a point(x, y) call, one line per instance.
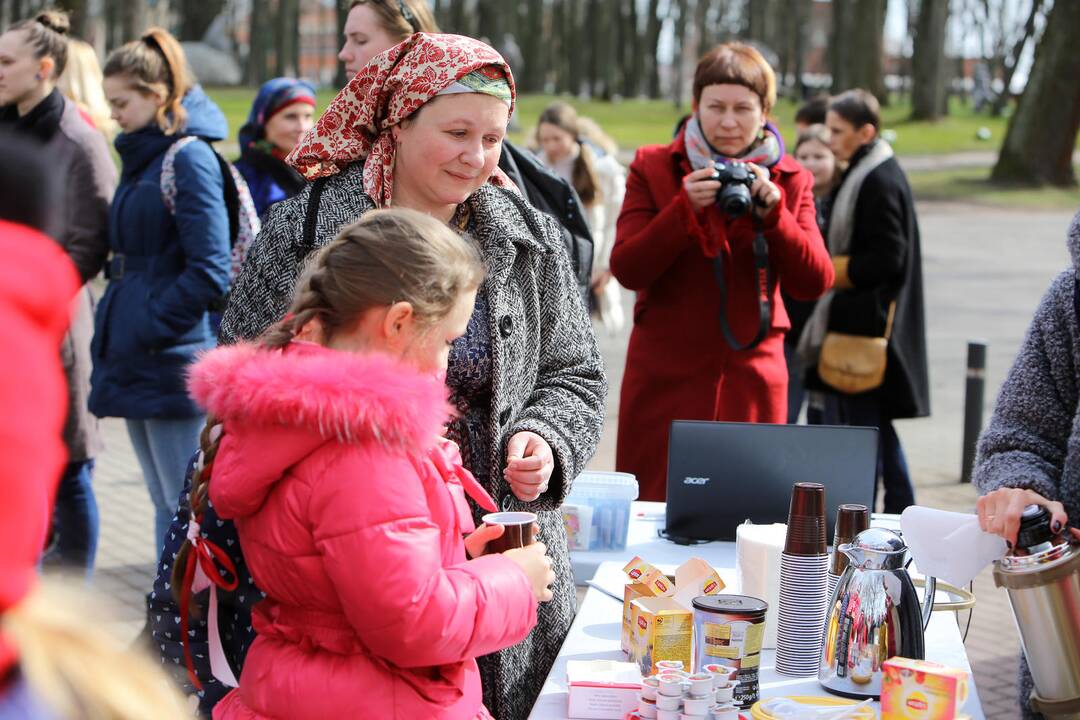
point(949, 545)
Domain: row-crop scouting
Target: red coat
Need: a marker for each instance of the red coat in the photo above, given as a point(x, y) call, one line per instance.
point(351, 515)
point(678, 366)
point(37, 283)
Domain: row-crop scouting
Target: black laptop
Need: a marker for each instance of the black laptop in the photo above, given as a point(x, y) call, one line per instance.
point(722, 474)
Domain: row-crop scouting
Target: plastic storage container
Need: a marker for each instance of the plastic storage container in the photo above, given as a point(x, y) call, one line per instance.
point(597, 510)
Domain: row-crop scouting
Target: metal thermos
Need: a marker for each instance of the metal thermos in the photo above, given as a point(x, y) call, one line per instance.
point(874, 614)
point(1044, 592)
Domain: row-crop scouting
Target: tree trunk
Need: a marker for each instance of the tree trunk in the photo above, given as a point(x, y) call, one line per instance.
point(678, 60)
point(459, 18)
point(867, 55)
point(132, 18)
point(800, 14)
point(1009, 63)
point(196, 17)
point(532, 44)
point(929, 71)
point(701, 21)
point(609, 51)
point(287, 38)
point(579, 40)
point(1039, 142)
point(113, 32)
point(341, 12)
point(261, 31)
point(593, 19)
point(840, 45)
point(633, 61)
point(652, 42)
point(490, 15)
point(80, 20)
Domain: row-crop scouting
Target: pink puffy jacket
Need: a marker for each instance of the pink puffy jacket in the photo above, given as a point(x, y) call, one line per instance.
point(351, 514)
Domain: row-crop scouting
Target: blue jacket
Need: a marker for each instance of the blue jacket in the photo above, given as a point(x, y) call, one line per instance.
point(269, 180)
point(165, 273)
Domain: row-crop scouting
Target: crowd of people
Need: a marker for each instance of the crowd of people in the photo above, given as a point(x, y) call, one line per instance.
point(336, 354)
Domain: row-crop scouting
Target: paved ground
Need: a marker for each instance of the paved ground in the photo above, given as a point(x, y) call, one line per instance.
point(985, 271)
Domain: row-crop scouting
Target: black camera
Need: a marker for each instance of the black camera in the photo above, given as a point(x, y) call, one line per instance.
point(735, 180)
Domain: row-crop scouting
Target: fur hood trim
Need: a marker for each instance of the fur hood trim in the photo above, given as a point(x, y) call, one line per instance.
point(339, 395)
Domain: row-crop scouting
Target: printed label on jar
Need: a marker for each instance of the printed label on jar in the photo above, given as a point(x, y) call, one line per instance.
point(734, 639)
point(737, 644)
point(746, 692)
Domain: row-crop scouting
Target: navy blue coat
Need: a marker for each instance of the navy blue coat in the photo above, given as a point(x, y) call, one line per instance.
point(166, 272)
point(234, 608)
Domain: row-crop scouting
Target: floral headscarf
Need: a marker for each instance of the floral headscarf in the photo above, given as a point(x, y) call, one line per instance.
point(394, 85)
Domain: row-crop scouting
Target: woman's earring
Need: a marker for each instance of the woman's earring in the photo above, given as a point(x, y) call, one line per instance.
point(37, 76)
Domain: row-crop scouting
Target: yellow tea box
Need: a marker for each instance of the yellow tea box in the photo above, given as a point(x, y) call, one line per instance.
point(631, 592)
point(921, 690)
point(663, 630)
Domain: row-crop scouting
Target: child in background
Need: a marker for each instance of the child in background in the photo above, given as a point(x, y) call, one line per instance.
point(323, 448)
point(813, 153)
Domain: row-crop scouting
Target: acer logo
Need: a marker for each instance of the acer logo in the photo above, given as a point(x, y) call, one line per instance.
point(641, 623)
point(695, 480)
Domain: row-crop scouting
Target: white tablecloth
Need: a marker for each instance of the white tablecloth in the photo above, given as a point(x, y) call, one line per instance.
point(595, 633)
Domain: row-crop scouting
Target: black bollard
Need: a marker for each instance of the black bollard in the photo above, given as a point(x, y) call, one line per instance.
point(974, 393)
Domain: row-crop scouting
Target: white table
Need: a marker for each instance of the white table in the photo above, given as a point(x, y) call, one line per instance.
point(595, 633)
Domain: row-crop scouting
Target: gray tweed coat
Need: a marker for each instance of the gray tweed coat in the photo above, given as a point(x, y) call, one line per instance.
point(548, 374)
point(1033, 439)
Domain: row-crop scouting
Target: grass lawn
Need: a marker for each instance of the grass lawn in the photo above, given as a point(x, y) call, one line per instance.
point(972, 185)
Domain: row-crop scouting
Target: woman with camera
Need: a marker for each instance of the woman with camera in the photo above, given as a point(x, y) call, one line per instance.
point(711, 226)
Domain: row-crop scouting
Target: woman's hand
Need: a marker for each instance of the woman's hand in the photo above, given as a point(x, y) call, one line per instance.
point(1000, 511)
point(600, 280)
point(765, 193)
point(529, 464)
point(537, 566)
point(701, 188)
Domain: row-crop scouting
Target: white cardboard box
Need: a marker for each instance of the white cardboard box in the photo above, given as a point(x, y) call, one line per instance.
point(602, 689)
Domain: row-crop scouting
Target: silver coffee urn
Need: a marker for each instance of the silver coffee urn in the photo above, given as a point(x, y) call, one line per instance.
point(1043, 582)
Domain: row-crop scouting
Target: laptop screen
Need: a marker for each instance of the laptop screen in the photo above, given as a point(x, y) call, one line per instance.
point(722, 474)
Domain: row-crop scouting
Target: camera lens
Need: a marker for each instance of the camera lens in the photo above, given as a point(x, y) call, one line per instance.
point(734, 200)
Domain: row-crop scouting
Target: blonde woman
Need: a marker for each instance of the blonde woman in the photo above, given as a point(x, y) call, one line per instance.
point(580, 153)
point(81, 83)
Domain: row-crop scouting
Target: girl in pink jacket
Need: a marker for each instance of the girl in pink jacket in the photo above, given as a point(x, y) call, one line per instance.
point(351, 510)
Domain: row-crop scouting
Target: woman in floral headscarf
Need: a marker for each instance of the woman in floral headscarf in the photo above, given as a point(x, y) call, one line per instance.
point(420, 127)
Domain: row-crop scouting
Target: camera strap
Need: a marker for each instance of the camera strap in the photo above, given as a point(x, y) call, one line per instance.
point(763, 276)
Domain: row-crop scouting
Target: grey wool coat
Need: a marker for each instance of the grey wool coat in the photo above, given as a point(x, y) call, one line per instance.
point(548, 376)
point(1033, 439)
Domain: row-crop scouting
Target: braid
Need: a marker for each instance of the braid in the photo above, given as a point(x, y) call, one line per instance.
point(198, 496)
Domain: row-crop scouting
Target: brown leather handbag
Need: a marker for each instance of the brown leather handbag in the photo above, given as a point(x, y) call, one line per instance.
point(855, 364)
